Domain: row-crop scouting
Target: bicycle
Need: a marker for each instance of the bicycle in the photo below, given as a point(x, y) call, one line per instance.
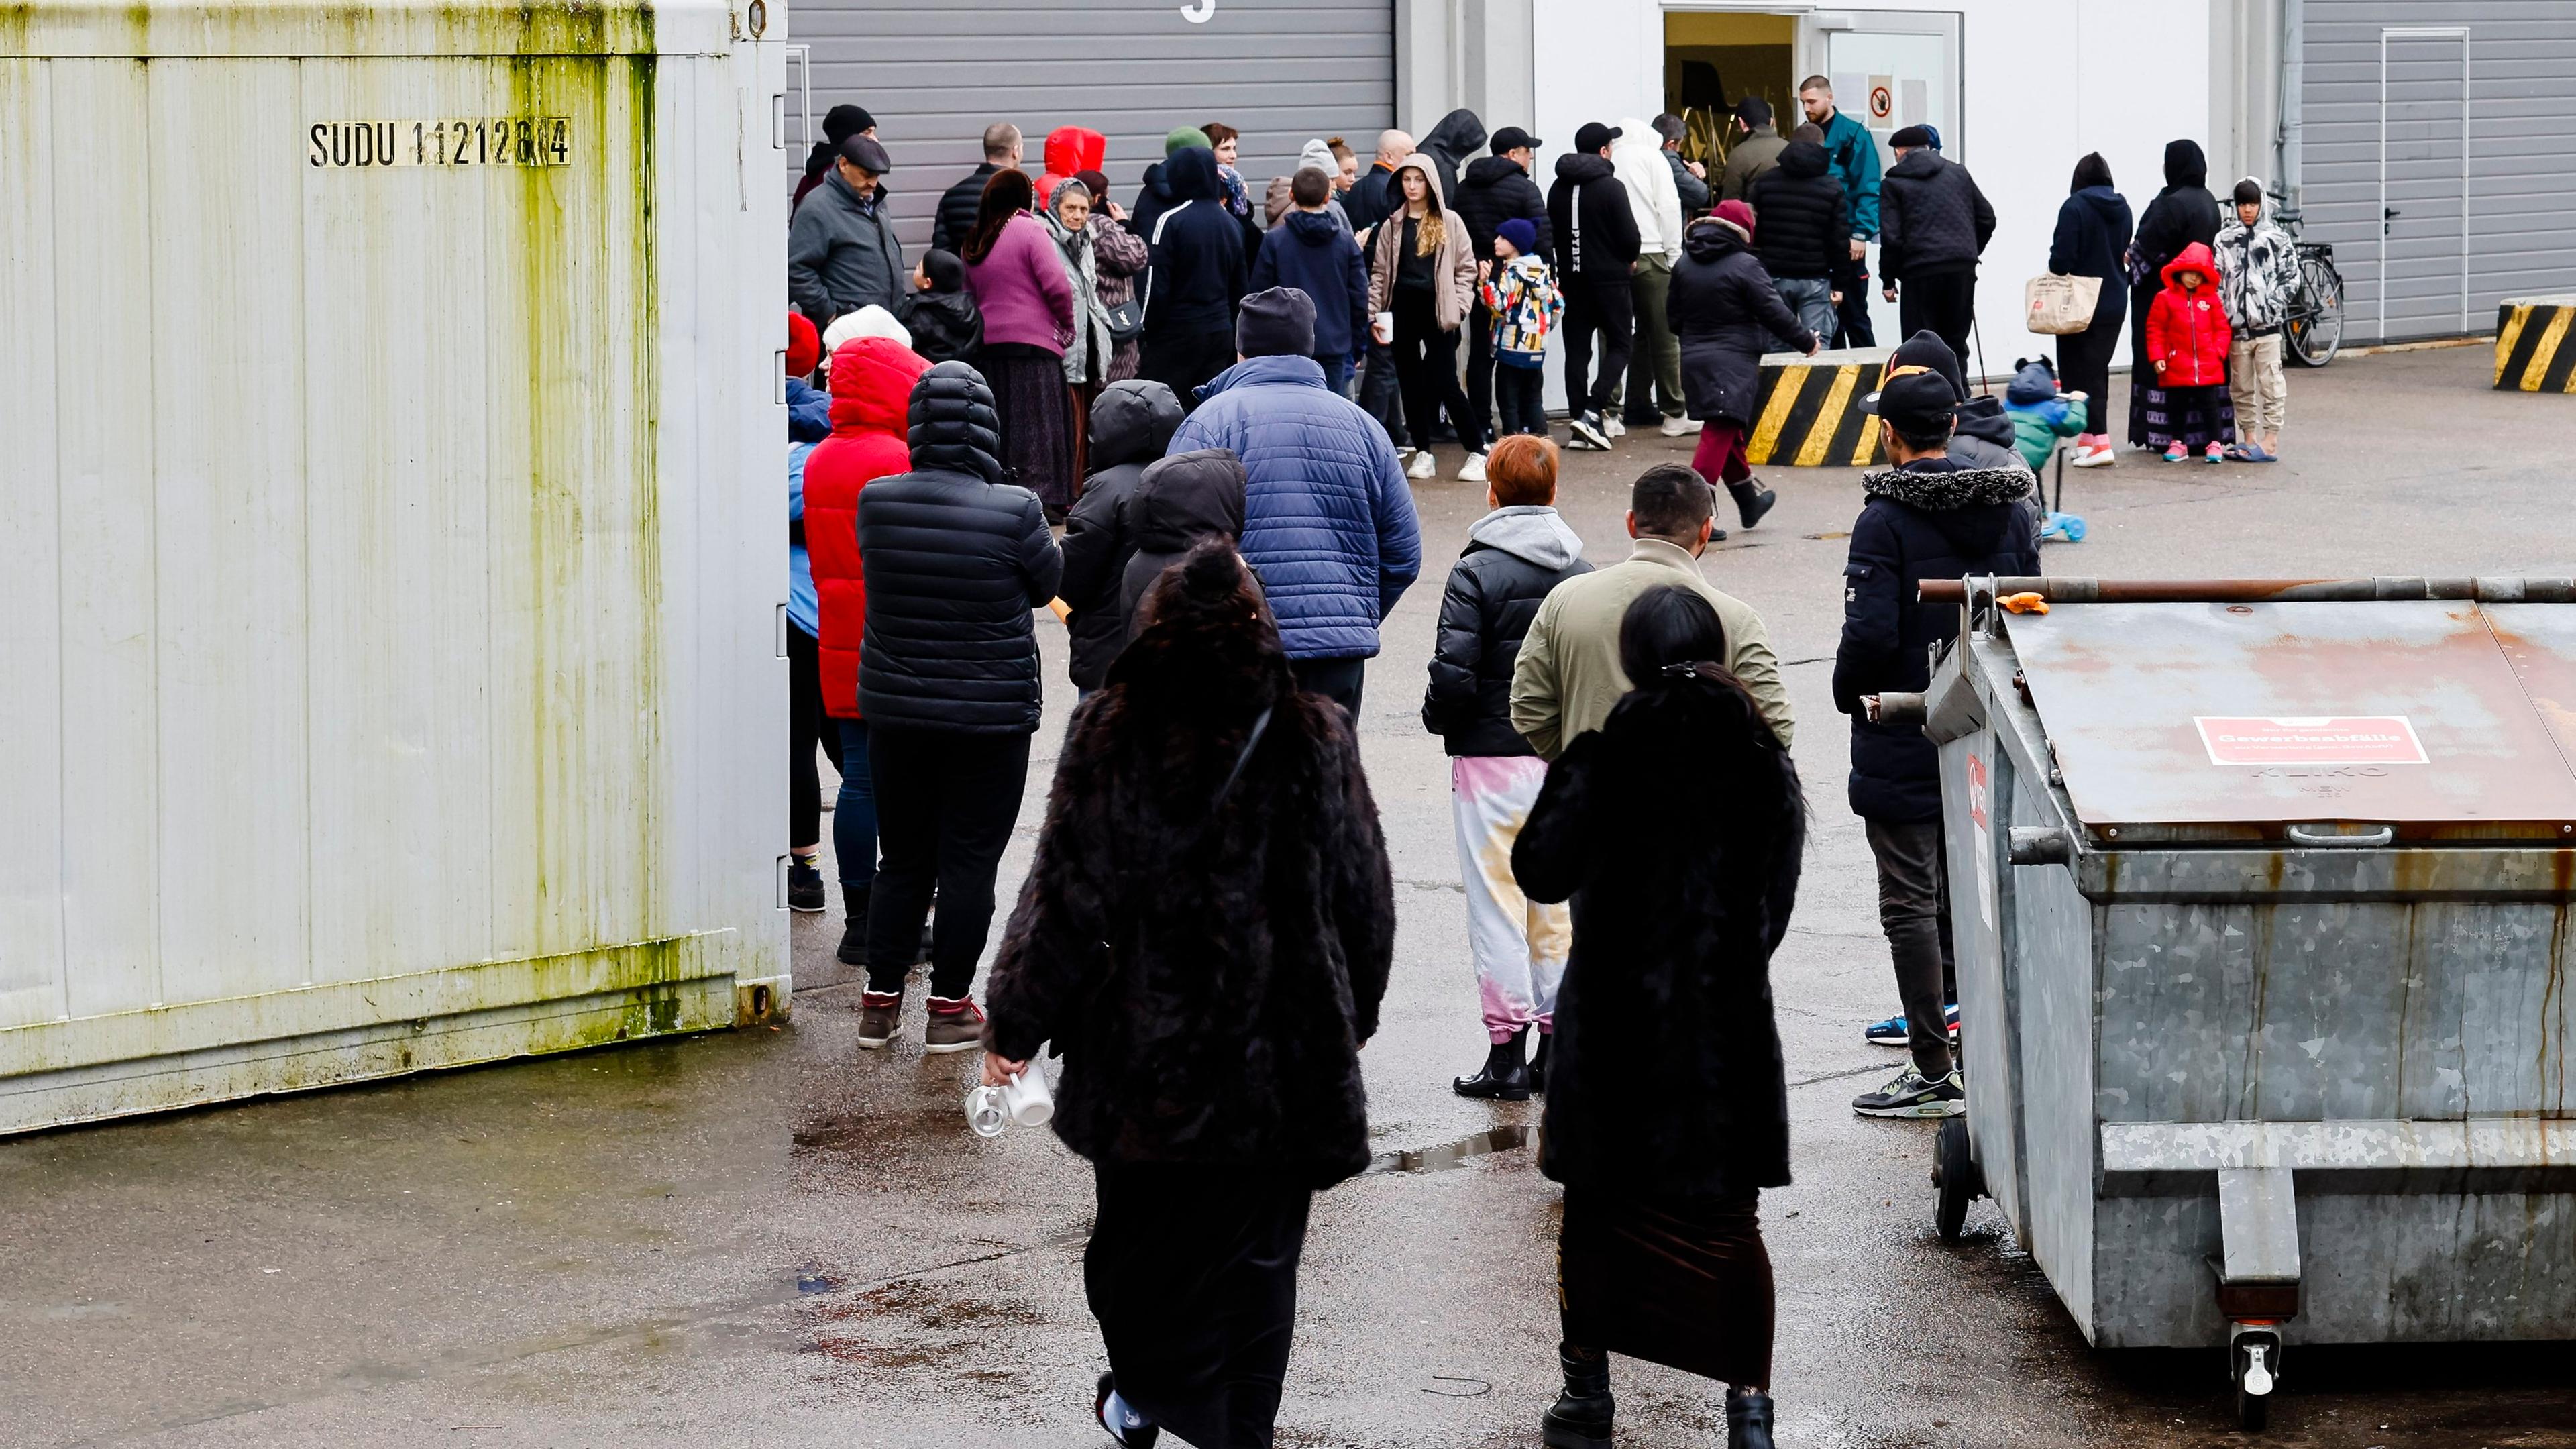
point(2313, 331)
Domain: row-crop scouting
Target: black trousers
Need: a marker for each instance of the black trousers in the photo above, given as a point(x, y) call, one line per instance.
point(1914, 911)
point(1852, 315)
point(1480, 365)
point(1379, 394)
point(1339, 680)
point(1184, 362)
point(946, 802)
point(1604, 305)
point(2084, 361)
point(804, 735)
point(1946, 302)
point(1426, 366)
point(1521, 393)
point(1192, 1273)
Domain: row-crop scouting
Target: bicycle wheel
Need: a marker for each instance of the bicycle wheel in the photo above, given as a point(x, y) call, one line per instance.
point(2315, 329)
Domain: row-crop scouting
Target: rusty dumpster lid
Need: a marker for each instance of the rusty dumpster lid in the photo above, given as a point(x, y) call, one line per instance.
point(2447, 720)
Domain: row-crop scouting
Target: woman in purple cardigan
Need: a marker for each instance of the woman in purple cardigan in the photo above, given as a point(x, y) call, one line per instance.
point(1019, 282)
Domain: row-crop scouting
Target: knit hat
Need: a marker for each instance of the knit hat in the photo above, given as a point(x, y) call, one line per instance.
point(844, 121)
point(1737, 215)
point(2032, 383)
point(1753, 111)
point(1521, 232)
point(1181, 138)
point(1910, 138)
point(804, 348)
point(1276, 323)
point(869, 321)
point(1318, 155)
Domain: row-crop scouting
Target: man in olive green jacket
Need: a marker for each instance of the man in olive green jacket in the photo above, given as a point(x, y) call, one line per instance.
point(1568, 674)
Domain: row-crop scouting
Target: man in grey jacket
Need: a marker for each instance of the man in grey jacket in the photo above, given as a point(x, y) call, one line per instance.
point(1690, 179)
point(841, 249)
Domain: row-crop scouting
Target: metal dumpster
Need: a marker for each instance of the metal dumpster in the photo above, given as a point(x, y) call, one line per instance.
point(2261, 911)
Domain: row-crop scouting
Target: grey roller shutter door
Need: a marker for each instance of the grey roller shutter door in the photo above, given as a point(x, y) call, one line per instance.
point(935, 73)
point(2520, 191)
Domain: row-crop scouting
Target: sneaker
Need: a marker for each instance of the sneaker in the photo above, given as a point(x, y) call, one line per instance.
point(1586, 433)
point(2215, 454)
point(878, 1013)
point(1909, 1095)
point(1423, 465)
point(1680, 427)
point(955, 1024)
point(1892, 1032)
point(2175, 453)
point(1614, 427)
point(1473, 470)
point(2101, 457)
point(1124, 1425)
point(804, 885)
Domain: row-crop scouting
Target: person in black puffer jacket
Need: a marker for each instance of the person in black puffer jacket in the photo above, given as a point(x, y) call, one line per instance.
point(1131, 425)
point(1802, 231)
point(1933, 224)
point(1596, 247)
point(1196, 279)
point(1493, 190)
point(1180, 500)
point(1515, 554)
point(955, 559)
point(1726, 313)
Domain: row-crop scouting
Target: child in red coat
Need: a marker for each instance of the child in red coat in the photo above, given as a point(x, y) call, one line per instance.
point(2187, 340)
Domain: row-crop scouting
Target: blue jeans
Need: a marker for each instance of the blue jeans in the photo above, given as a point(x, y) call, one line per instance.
point(854, 813)
point(1337, 374)
point(1812, 298)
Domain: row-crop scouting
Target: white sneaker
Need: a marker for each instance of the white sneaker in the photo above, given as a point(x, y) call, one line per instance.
point(1680, 427)
point(1423, 465)
point(1587, 434)
point(2094, 458)
point(1614, 427)
point(1473, 470)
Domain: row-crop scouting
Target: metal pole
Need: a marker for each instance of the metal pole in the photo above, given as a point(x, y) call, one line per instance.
point(2058, 589)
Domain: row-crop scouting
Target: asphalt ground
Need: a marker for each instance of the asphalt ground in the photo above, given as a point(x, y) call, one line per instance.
point(770, 1238)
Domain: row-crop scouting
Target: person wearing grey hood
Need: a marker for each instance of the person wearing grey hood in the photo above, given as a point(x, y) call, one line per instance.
point(1131, 425)
point(1515, 555)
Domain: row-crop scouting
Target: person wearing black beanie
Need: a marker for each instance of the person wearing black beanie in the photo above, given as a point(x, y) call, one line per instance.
point(839, 124)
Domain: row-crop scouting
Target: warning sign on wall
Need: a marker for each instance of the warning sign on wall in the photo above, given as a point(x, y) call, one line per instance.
point(1882, 99)
point(2321, 740)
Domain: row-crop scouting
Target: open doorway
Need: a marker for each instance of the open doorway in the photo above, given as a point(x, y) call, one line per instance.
point(1715, 59)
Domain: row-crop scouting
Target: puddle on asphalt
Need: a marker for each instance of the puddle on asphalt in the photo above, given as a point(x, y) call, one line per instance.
point(1450, 1154)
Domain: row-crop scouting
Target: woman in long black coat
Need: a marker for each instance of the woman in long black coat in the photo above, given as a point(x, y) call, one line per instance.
point(2092, 234)
point(1675, 829)
point(1205, 936)
point(1726, 311)
point(2183, 213)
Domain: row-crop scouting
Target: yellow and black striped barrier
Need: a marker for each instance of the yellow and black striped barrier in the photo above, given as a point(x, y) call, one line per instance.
point(1810, 416)
point(2533, 351)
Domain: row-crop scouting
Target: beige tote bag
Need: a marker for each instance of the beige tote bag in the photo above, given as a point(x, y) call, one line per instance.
point(2060, 305)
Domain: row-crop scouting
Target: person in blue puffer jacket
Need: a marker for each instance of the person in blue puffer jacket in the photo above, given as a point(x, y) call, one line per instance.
point(1328, 520)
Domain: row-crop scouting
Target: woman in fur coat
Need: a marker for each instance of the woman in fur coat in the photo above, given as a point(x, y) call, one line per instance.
point(1204, 936)
point(1675, 829)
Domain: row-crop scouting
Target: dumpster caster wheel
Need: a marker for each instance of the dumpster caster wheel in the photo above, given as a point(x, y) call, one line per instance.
point(2254, 1362)
point(1956, 1174)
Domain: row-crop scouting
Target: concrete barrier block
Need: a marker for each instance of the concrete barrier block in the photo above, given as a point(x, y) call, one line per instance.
point(1809, 413)
point(2533, 351)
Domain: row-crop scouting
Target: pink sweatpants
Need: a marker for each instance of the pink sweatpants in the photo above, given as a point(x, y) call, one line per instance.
point(1519, 945)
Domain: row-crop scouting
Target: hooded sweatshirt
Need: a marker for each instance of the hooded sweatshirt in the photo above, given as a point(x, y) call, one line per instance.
point(2183, 213)
point(1451, 145)
point(1596, 229)
point(1131, 425)
point(872, 381)
point(1179, 500)
point(2187, 331)
point(1453, 261)
point(1513, 557)
point(2258, 273)
point(1494, 190)
point(1637, 156)
point(1198, 271)
point(1313, 252)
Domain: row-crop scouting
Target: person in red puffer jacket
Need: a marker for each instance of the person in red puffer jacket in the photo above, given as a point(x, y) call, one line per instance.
point(872, 380)
point(1069, 151)
point(2187, 340)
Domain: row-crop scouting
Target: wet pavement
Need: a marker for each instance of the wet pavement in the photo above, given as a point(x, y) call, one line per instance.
point(771, 1238)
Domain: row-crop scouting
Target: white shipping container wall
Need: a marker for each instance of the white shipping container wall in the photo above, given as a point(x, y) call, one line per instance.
point(389, 553)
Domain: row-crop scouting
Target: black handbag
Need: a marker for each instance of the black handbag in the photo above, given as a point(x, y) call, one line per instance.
point(1126, 320)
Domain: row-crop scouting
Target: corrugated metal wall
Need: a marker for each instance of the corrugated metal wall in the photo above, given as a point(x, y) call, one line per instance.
point(2520, 176)
point(934, 76)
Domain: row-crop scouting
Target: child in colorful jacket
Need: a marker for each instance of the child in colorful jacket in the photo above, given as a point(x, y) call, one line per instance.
point(2039, 412)
point(2258, 277)
point(2187, 340)
point(1521, 295)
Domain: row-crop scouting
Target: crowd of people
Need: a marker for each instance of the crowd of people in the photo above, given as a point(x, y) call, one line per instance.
point(1224, 407)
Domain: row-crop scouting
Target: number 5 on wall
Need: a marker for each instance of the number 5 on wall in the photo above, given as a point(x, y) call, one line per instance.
point(1199, 14)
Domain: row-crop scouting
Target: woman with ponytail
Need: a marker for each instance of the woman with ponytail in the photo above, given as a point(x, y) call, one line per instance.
point(1675, 830)
point(1204, 937)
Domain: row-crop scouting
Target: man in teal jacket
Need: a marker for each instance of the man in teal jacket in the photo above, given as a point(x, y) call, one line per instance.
point(1852, 153)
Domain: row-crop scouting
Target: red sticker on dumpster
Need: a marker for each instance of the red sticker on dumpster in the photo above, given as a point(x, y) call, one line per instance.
point(2387, 739)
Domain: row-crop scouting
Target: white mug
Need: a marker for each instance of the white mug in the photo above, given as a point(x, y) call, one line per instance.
point(1027, 1099)
point(985, 1113)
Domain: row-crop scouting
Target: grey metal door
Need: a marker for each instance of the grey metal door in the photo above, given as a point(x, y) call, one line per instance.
point(934, 75)
point(2421, 285)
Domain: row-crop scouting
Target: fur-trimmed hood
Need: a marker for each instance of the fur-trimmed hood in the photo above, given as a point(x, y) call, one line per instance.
point(1944, 492)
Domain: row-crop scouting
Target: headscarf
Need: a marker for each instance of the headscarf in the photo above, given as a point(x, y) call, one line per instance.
point(1081, 267)
point(1237, 199)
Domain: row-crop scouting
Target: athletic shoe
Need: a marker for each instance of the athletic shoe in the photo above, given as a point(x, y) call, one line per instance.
point(804, 885)
point(1587, 433)
point(2216, 454)
point(1473, 470)
point(2175, 453)
point(1124, 1425)
point(1423, 465)
point(1909, 1095)
point(1680, 427)
point(955, 1024)
point(1892, 1032)
point(1614, 427)
point(878, 1013)
point(2101, 457)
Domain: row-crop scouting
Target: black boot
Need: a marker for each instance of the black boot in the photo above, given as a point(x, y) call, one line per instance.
point(854, 936)
point(1580, 1418)
point(1748, 1419)
point(1506, 1075)
point(1538, 1061)
point(1752, 500)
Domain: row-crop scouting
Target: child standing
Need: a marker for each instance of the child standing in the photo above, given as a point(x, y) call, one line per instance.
point(2188, 339)
point(2258, 274)
point(1520, 294)
point(2040, 413)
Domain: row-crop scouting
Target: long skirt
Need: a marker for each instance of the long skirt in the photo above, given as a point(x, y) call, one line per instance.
point(1036, 417)
point(2195, 416)
point(1683, 1283)
point(1192, 1272)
